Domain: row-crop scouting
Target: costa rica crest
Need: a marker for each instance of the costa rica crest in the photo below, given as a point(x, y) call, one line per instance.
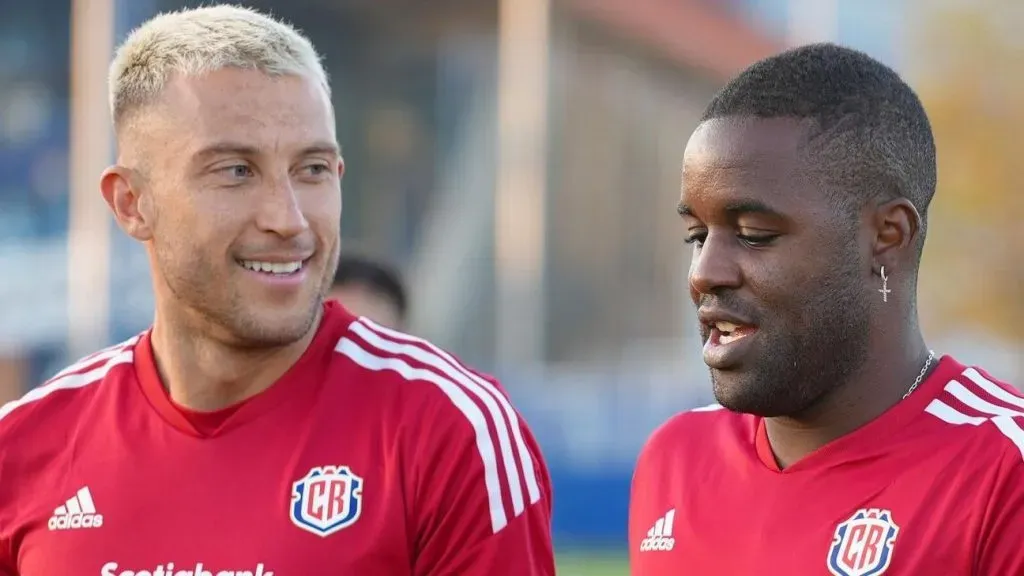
point(863, 544)
point(327, 499)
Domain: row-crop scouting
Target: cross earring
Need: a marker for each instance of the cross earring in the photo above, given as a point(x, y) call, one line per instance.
point(885, 286)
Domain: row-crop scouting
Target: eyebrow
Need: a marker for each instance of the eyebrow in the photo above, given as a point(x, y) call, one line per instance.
point(737, 208)
point(325, 147)
point(237, 148)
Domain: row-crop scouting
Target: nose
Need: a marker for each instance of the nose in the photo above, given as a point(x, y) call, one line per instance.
point(714, 266)
point(280, 210)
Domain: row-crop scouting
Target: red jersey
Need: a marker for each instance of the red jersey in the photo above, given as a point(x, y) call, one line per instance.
point(934, 486)
point(377, 453)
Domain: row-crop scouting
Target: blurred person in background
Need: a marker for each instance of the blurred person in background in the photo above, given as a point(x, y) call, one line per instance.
point(840, 441)
point(13, 371)
point(254, 428)
point(370, 288)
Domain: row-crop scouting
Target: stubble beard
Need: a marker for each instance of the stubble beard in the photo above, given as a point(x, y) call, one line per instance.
point(802, 364)
point(210, 303)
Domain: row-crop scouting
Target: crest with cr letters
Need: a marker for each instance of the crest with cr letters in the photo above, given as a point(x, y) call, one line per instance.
point(863, 544)
point(327, 499)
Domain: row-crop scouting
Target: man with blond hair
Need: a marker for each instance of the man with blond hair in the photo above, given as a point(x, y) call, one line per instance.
point(254, 428)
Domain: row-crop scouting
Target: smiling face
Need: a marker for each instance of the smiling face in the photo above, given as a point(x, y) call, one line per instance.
point(776, 272)
point(237, 184)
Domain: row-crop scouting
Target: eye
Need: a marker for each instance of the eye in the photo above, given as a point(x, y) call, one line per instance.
point(317, 169)
point(239, 171)
point(757, 240)
point(697, 238)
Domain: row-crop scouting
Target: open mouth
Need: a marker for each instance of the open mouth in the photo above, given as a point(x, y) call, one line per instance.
point(273, 268)
point(726, 332)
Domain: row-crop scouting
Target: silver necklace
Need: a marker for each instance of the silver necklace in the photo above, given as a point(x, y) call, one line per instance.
point(920, 377)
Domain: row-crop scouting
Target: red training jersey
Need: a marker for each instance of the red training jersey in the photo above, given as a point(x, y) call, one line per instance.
point(934, 486)
point(375, 454)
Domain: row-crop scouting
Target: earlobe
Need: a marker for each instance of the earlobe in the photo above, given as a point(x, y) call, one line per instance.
point(125, 201)
point(897, 226)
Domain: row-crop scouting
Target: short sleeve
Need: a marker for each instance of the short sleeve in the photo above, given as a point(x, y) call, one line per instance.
point(483, 491)
point(1001, 541)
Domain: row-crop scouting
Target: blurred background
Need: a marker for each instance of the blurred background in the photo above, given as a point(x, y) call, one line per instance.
point(518, 161)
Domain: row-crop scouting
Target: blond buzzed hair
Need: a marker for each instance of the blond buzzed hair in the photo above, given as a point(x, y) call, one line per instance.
point(196, 41)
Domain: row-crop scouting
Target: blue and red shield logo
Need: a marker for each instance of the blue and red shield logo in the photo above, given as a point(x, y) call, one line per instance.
point(863, 544)
point(326, 500)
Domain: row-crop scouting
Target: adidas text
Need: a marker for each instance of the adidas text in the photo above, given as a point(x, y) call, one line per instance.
point(657, 543)
point(659, 537)
point(112, 569)
point(77, 512)
point(75, 521)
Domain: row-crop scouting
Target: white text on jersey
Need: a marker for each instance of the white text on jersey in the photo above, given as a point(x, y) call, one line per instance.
point(112, 569)
point(78, 512)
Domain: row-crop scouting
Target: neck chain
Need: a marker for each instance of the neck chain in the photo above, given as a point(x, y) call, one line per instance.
point(920, 377)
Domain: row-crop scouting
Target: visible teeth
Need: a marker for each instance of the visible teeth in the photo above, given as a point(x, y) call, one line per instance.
point(729, 332)
point(726, 326)
point(727, 338)
point(272, 267)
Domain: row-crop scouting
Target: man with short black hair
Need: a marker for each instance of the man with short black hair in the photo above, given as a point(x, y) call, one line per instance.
point(840, 441)
point(372, 289)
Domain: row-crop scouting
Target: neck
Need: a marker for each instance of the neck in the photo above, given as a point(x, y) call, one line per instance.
point(205, 374)
point(880, 383)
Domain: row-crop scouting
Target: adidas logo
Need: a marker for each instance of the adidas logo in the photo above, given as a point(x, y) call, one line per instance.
point(78, 512)
point(659, 537)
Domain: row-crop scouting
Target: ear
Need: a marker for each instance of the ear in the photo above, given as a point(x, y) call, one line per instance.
point(897, 226)
point(120, 188)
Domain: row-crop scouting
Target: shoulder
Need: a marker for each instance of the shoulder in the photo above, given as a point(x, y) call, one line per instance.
point(459, 423)
point(976, 408)
point(711, 423)
point(702, 419)
point(423, 374)
point(979, 423)
point(445, 407)
point(66, 389)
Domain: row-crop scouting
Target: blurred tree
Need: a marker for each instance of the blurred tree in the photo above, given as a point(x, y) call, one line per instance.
point(968, 72)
